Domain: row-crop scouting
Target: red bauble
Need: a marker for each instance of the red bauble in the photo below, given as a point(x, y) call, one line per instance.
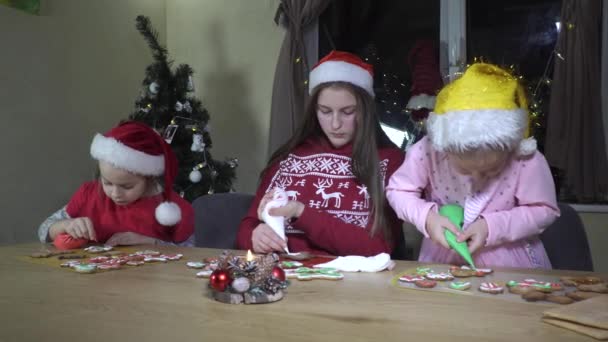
point(219, 280)
point(278, 273)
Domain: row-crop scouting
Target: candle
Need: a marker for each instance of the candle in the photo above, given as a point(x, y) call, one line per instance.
point(250, 256)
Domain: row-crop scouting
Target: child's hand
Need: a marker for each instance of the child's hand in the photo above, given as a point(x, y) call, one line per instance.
point(130, 238)
point(290, 210)
point(477, 232)
point(436, 224)
point(265, 240)
point(80, 228)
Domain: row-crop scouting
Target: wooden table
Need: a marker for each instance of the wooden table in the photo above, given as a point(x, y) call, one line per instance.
point(165, 302)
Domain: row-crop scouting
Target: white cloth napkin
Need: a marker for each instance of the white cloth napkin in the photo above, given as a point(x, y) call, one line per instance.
point(355, 263)
point(277, 223)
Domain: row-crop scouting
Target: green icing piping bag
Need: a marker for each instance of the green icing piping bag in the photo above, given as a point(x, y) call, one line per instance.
point(455, 214)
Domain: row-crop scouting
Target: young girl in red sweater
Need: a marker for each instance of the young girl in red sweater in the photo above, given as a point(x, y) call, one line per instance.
point(333, 170)
point(127, 204)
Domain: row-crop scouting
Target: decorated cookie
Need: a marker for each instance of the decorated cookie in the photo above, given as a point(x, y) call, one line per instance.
point(307, 273)
point(172, 257)
point(134, 263)
point(461, 272)
point(98, 249)
point(291, 264)
point(148, 252)
point(99, 259)
point(154, 259)
point(485, 271)
point(47, 253)
point(70, 263)
point(410, 278)
point(423, 270)
point(85, 268)
point(204, 274)
point(427, 283)
point(439, 276)
point(460, 285)
point(492, 288)
point(521, 287)
point(195, 264)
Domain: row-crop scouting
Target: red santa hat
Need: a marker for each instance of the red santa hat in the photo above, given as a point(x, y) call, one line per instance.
point(426, 79)
point(137, 148)
point(340, 66)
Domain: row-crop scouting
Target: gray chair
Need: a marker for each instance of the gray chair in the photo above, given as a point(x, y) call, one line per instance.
point(217, 218)
point(566, 242)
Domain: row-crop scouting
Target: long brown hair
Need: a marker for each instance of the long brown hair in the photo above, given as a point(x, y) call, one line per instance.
point(369, 136)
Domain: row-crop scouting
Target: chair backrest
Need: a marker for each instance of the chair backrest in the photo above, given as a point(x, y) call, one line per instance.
point(566, 242)
point(400, 252)
point(217, 219)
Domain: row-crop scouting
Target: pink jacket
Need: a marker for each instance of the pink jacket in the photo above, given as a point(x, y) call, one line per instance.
point(517, 205)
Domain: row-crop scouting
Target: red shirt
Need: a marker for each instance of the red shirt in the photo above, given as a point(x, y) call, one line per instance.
point(337, 218)
point(108, 218)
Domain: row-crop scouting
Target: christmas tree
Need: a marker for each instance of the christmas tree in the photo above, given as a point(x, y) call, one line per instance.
point(167, 105)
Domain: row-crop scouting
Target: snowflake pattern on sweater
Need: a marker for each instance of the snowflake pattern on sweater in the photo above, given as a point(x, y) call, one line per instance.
point(327, 182)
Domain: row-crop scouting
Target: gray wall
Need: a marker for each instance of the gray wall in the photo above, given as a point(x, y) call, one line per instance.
point(64, 75)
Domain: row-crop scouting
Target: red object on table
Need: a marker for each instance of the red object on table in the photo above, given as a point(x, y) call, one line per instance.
point(66, 241)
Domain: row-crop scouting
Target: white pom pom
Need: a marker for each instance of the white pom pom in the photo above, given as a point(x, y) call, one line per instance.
point(168, 214)
point(195, 176)
point(527, 147)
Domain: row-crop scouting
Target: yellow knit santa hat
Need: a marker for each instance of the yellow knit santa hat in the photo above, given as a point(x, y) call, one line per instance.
point(485, 108)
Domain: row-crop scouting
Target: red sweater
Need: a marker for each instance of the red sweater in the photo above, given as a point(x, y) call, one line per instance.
point(336, 219)
point(108, 218)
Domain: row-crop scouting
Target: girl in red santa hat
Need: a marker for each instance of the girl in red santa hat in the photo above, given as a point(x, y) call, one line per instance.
point(132, 202)
point(333, 170)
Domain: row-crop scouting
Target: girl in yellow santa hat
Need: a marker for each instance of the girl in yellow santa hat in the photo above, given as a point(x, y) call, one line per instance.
point(478, 154)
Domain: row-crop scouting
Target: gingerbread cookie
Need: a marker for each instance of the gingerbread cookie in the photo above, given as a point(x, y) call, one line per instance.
point(154, 259)
point(559, 299)
point(172, 257)
point(534, 296)
point(460, 285)
point(491, 288)
point(439, 276)
point(98, 249)
point(410, 278)
point(427, 284)
point(204, 274)
point(484, 271)
point(307, 273)
point(85, 268)
point(461, 272)
point(48, 254)
point(148, 252)
point(521, 287)
point(574, 281)
point(291, 264)
point(581, 295)
point(195, 264)
point(598, 288)
point(134, 263)
point(423, 270)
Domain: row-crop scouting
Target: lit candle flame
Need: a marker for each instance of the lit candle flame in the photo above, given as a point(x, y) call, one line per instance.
point(249, 255)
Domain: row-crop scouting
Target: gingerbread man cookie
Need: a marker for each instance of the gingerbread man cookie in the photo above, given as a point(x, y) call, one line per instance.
point(307, 273)
point(410, 278)
point(442, 276)
point(460, 285)
point(491, 288)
